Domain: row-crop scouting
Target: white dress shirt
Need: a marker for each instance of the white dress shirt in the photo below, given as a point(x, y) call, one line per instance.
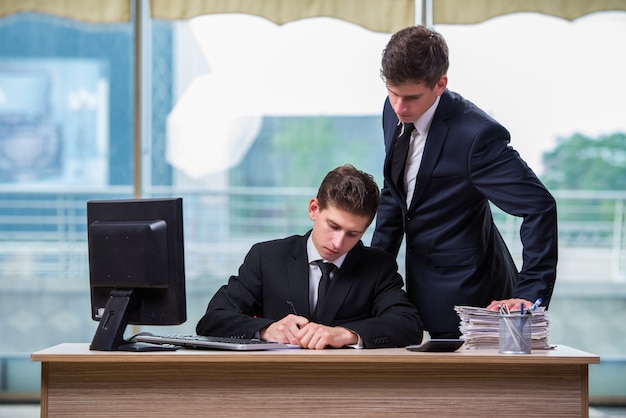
point(416, 150)
point(315, 274)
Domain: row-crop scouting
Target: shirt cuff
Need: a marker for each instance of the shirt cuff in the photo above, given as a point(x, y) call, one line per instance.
point(359, 343)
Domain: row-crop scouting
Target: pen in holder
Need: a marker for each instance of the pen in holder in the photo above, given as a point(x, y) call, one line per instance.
point(515, 333)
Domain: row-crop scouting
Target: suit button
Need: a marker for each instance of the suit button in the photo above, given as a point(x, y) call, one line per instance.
point(410, 249)
point(408, 218)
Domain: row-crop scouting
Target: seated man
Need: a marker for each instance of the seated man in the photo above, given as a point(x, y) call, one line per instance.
point(275, 296)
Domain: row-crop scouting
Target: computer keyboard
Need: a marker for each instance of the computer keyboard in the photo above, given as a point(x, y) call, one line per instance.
point(211, 342)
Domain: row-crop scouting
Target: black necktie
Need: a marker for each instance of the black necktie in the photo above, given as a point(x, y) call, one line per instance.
point(398, 158)
point(326, 269)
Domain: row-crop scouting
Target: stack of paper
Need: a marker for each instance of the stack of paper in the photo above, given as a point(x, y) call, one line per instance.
point(480, 328)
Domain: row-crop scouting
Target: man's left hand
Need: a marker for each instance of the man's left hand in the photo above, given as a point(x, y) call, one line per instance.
point(510, 304)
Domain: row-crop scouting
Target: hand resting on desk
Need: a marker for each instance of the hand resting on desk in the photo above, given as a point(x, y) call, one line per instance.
point(512, 304)
point(298, 330)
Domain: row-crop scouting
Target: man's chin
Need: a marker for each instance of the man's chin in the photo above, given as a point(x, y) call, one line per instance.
point(330, 256)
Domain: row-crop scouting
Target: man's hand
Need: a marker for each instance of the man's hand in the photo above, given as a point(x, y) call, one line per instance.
point(297, 330)
point(511, 304)
point(285, 330)
point(316, 336)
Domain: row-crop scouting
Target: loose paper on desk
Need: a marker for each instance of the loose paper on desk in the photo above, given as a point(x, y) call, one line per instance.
point(479, 328)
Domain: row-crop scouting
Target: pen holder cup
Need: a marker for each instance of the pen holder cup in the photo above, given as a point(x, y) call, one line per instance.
point(515, 334)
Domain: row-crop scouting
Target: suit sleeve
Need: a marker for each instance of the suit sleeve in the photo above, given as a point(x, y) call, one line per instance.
point(504, 178)
point(234, 310)
point(389, 229)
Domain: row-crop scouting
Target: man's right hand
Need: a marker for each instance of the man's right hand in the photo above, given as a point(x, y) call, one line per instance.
point(285, 330)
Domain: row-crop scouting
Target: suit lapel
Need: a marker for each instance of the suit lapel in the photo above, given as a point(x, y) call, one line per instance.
point(298, 277)
point(391, 133)
point(340, 285)
point(434, 144)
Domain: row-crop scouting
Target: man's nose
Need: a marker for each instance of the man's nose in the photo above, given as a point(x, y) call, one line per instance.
point(337, 239)
point(400, 105)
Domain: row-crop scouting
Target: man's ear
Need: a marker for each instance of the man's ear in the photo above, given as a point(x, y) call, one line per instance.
point(314, 208)
point(441, 85)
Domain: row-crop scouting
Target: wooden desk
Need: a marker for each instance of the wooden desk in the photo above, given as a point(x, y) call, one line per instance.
point(77, 382)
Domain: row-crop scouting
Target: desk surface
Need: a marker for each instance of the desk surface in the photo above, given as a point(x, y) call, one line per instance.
point(70, 352)
point(390, 382)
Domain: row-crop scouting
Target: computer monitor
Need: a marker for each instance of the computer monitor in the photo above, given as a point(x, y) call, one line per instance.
point(136, 268)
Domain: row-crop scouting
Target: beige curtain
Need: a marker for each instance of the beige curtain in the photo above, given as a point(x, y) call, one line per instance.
point(475, 11)
point(377, 15)
point(93, 11)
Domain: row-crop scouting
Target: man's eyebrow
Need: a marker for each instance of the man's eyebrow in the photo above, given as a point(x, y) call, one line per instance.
point(408, 96)
point(335, 224)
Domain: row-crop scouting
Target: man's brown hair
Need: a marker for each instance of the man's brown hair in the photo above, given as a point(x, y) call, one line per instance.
point(415, 54)
point(350, 190)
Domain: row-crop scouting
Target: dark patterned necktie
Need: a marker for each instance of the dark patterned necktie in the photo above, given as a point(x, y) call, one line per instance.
point(326, 269)
point(398, 158)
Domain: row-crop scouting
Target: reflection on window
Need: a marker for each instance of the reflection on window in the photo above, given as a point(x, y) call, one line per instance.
point(53, 117)
point(65, 137)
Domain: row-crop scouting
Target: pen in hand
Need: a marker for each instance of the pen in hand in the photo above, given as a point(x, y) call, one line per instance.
point(292, 309)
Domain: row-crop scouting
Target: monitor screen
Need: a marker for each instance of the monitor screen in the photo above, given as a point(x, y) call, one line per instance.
point(136, 267)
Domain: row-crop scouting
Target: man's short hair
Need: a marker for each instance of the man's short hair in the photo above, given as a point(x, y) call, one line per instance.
point(350, 190)
point(415, 54)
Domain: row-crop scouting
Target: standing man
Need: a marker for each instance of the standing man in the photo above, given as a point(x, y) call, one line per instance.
point(360, 302)
point(446, 159)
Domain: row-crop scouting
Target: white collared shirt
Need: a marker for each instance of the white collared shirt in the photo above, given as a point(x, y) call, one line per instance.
point(416, 150)
point(315, 274)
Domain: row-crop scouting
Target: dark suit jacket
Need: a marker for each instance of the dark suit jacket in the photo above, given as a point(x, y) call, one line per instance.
point(365, 295)
point(454, 252)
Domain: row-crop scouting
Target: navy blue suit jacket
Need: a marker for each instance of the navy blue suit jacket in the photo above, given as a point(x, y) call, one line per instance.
point(454, 252)
point(365, 295)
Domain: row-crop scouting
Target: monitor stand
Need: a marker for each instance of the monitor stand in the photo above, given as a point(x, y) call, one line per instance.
point(110, 333)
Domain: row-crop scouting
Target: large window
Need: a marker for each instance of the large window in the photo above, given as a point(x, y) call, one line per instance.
point(245, 118)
